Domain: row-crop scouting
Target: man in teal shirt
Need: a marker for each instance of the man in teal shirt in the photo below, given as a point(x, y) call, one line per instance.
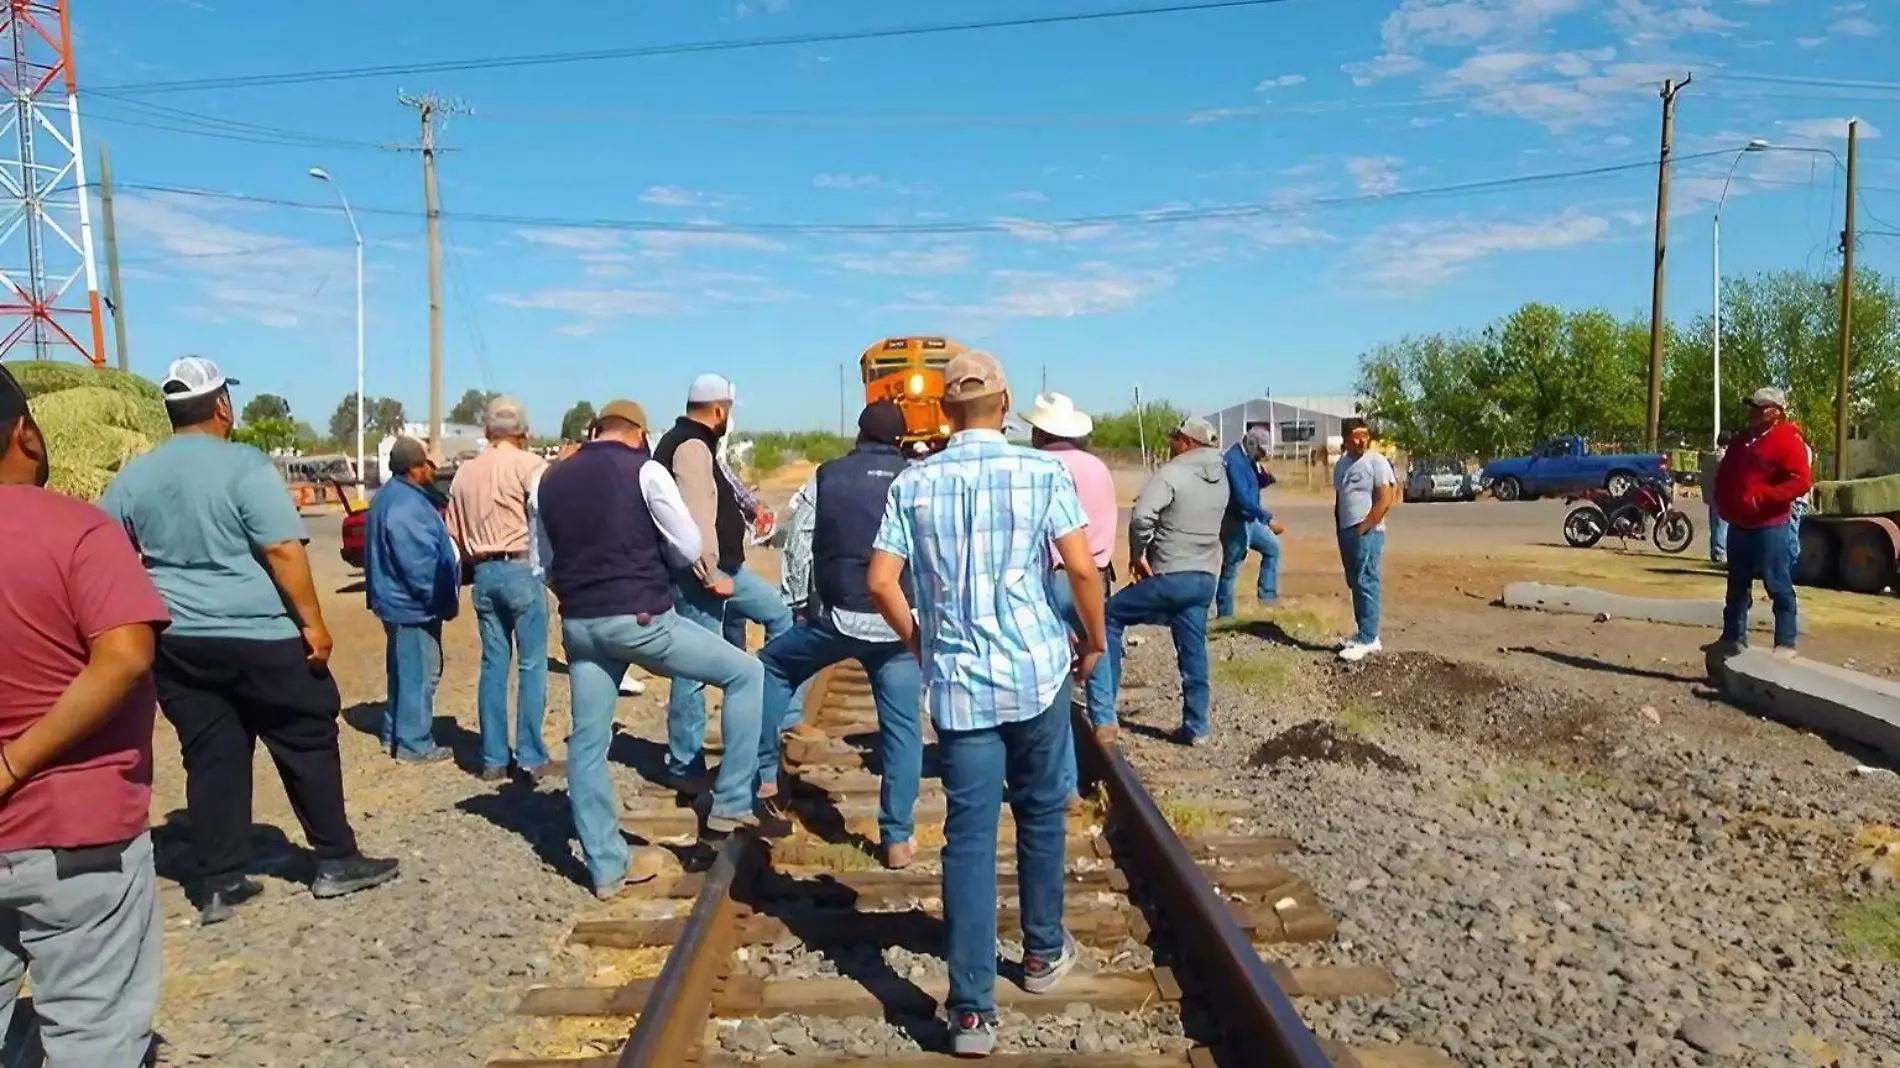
point(247, 655)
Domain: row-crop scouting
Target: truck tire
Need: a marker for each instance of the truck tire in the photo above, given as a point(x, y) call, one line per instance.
point(1619, 484)
point(1820, 553)
point(1867, 557)
point(1507, 489)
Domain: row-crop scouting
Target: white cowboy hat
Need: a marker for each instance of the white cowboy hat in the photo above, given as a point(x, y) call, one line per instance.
point(1057, 415)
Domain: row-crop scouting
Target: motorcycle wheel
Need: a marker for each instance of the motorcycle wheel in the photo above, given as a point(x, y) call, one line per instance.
point(1674, 532)
point(1584, 527)
point(1629, 522)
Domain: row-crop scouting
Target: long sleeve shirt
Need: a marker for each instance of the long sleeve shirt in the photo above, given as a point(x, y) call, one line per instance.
point(795, 583)
point(1243, 488)
point(695, 468)
point(411, 573)
point(679, 534)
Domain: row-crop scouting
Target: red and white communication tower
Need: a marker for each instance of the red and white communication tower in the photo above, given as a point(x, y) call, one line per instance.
point(49, 294)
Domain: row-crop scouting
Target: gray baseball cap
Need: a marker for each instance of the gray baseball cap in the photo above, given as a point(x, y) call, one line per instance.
point(1768, 397)
point(505, 415)
point(1198, 430)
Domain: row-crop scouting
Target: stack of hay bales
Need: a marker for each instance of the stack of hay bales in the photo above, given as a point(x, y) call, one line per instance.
point(94, 419)
point(1858, 496)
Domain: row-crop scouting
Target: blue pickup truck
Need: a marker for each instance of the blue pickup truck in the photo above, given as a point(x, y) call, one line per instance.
point(1566, 465)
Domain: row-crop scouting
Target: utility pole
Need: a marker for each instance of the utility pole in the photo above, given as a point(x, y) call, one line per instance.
point(1656, 321)
point(115, 296)
point(1847, 307)
point(431, 107)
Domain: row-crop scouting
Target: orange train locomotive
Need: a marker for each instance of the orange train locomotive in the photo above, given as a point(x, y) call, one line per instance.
point(909, 371)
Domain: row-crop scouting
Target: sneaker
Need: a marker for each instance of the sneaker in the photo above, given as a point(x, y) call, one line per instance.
point(972, 1035)
point(335, 878)
point(1785, 653)
point(1040, 974)
point(221, 904)
point(1357, 651)
point(552, 771)
point(494, 774)
point(1183, 736)
point(772, 822)
point(432, 756)
point(900, 855)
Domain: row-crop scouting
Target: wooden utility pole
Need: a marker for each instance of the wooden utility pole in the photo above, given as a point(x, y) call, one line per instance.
point(115, 297)
point(1657, 323)
point(432, 107)
point(1847, 308)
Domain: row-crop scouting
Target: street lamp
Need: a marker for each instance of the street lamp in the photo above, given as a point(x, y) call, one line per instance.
point(1756, 145)
point(362, 470)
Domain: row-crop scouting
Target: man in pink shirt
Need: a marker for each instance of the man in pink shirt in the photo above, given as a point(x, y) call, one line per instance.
point(1060, 429)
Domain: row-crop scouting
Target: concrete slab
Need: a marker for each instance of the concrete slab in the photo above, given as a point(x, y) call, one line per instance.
point(1584, 601)
point(1819, 697)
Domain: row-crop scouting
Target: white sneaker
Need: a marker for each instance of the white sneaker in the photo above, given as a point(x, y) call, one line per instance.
point(1357, 651)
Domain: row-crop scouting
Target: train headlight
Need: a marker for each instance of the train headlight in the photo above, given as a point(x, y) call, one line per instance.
point(943, 428)
point(916, 384)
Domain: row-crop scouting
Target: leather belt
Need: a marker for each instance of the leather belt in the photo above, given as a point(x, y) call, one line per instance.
point(489, 558)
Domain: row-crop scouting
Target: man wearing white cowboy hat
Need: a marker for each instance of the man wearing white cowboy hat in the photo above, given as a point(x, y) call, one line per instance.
point(1059, 428)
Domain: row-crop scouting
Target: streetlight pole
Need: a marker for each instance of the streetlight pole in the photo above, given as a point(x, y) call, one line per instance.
point(1715, 272)
point(362, 470)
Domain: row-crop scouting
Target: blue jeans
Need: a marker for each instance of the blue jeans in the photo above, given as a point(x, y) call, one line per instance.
point(511, 614)
point(1028, 755)
point(1718, 535)
point(413, 658)
point(598, 653)
point(752, 599)
point(1100, 688)
point(1767, 554)
point(1362, 554)
point(1180, 601)
point(792, 658)
point(1234, 544)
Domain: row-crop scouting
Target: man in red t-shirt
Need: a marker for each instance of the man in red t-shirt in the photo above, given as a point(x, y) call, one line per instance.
point(78, 895)
point(1763, 473)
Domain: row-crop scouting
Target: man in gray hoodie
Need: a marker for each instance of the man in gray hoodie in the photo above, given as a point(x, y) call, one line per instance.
point(1174, 556)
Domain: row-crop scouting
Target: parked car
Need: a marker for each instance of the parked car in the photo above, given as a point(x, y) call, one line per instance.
point(1567, 466)
point(1439, 480)
point(356, 516)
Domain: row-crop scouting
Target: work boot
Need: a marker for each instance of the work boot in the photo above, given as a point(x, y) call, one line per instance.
point(336, 878)
point(552, 771)
point(772, 822)
point(221, 904)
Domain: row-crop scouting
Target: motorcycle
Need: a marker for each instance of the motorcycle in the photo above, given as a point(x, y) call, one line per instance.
point(1647, 512)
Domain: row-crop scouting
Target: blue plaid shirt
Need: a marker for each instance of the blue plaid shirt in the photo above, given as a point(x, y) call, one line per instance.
point(975, 522)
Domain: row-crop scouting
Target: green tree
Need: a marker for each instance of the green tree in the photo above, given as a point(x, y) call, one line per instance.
point(269, 434)
point(469, 409)
point(381, 416)
point(266, 406)
point(574, 423)
point(1129, 429)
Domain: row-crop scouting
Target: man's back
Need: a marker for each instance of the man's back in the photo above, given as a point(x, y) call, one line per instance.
point(1095, 487)
point(488, 501)
point(975, 523)
point(199, 511)
point(70, 576)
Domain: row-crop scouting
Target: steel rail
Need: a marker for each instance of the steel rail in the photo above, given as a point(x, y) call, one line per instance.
point(1257, 1017)
point(673, 1021)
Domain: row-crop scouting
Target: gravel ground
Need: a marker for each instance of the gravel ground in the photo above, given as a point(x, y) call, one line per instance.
point(1570, 869)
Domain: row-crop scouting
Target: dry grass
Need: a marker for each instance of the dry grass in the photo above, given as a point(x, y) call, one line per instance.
point(1267, 671)
point(1188, 818)
point(1360, 718)
point(1535, 779)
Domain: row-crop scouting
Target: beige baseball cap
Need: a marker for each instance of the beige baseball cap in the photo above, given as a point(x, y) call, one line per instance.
point(971, 375)
point(505, 415)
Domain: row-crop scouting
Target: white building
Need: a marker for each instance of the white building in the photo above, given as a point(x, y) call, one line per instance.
point(1297, 423)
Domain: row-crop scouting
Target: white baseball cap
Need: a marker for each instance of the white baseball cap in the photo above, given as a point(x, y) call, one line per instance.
point(193, 377)
point(712, 389)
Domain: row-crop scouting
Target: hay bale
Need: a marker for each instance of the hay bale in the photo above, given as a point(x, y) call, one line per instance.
point(1858, 496)
point(99, 406)
point(94, 419)
point(40, 377)
point(85, 483)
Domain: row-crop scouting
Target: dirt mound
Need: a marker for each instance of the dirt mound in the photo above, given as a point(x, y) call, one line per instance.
point(1468, 701)
point(1322, 742)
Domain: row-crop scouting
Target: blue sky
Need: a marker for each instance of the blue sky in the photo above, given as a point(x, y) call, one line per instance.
point(1285, 105)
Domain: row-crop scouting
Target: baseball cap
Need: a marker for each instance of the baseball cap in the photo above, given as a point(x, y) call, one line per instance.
point(623, 409)
point(971, 375)
point(407, 454)
point(192, 377)
point(12, 399)
point(505, 415)
point(711, 389)
point(1768, 397)
point(882, 422)
point(1197, 430)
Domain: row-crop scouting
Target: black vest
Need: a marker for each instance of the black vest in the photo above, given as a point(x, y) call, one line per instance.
point(608, 559)
point(852, 491)
point(729, 525)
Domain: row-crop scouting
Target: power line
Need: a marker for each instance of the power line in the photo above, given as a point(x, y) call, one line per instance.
point(1158, 217)
point(166, 113)
point(225, 135)
point(683, 48)
point(265, 250)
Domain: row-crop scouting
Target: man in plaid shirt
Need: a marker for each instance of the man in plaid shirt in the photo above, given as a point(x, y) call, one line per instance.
point(975, 523)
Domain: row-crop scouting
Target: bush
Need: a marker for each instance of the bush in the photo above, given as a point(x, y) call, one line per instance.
point(775, 448)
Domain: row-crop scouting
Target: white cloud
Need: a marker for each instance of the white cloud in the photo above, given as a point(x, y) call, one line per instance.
point(1283, 81)
point(1027, 196)
point(845, 181)
point(594, 303)
point(1093, 289)
point(561, 237)
point(749, 8)
point(1374, 175)
point(274, 286)
point(681, 240)
point(949, 259)
point(1810, 42)
point(670, 196)
point(1414, 256)
point(1618, 140)
point(1827, 129)
point(1198, 118)
point(1855, 26)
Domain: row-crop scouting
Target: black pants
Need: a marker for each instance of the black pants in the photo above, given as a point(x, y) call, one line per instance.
point(222, 695)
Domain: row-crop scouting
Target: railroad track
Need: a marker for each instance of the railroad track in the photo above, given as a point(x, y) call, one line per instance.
point(1201, 903)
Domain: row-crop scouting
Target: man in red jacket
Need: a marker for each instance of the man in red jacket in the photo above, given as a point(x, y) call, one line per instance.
point(1764, 472)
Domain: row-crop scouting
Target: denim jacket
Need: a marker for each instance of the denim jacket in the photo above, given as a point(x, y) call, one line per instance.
point(411, 571)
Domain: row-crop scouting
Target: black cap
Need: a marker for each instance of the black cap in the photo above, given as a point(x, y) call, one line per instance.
point(12, 399)
point(881, 422)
